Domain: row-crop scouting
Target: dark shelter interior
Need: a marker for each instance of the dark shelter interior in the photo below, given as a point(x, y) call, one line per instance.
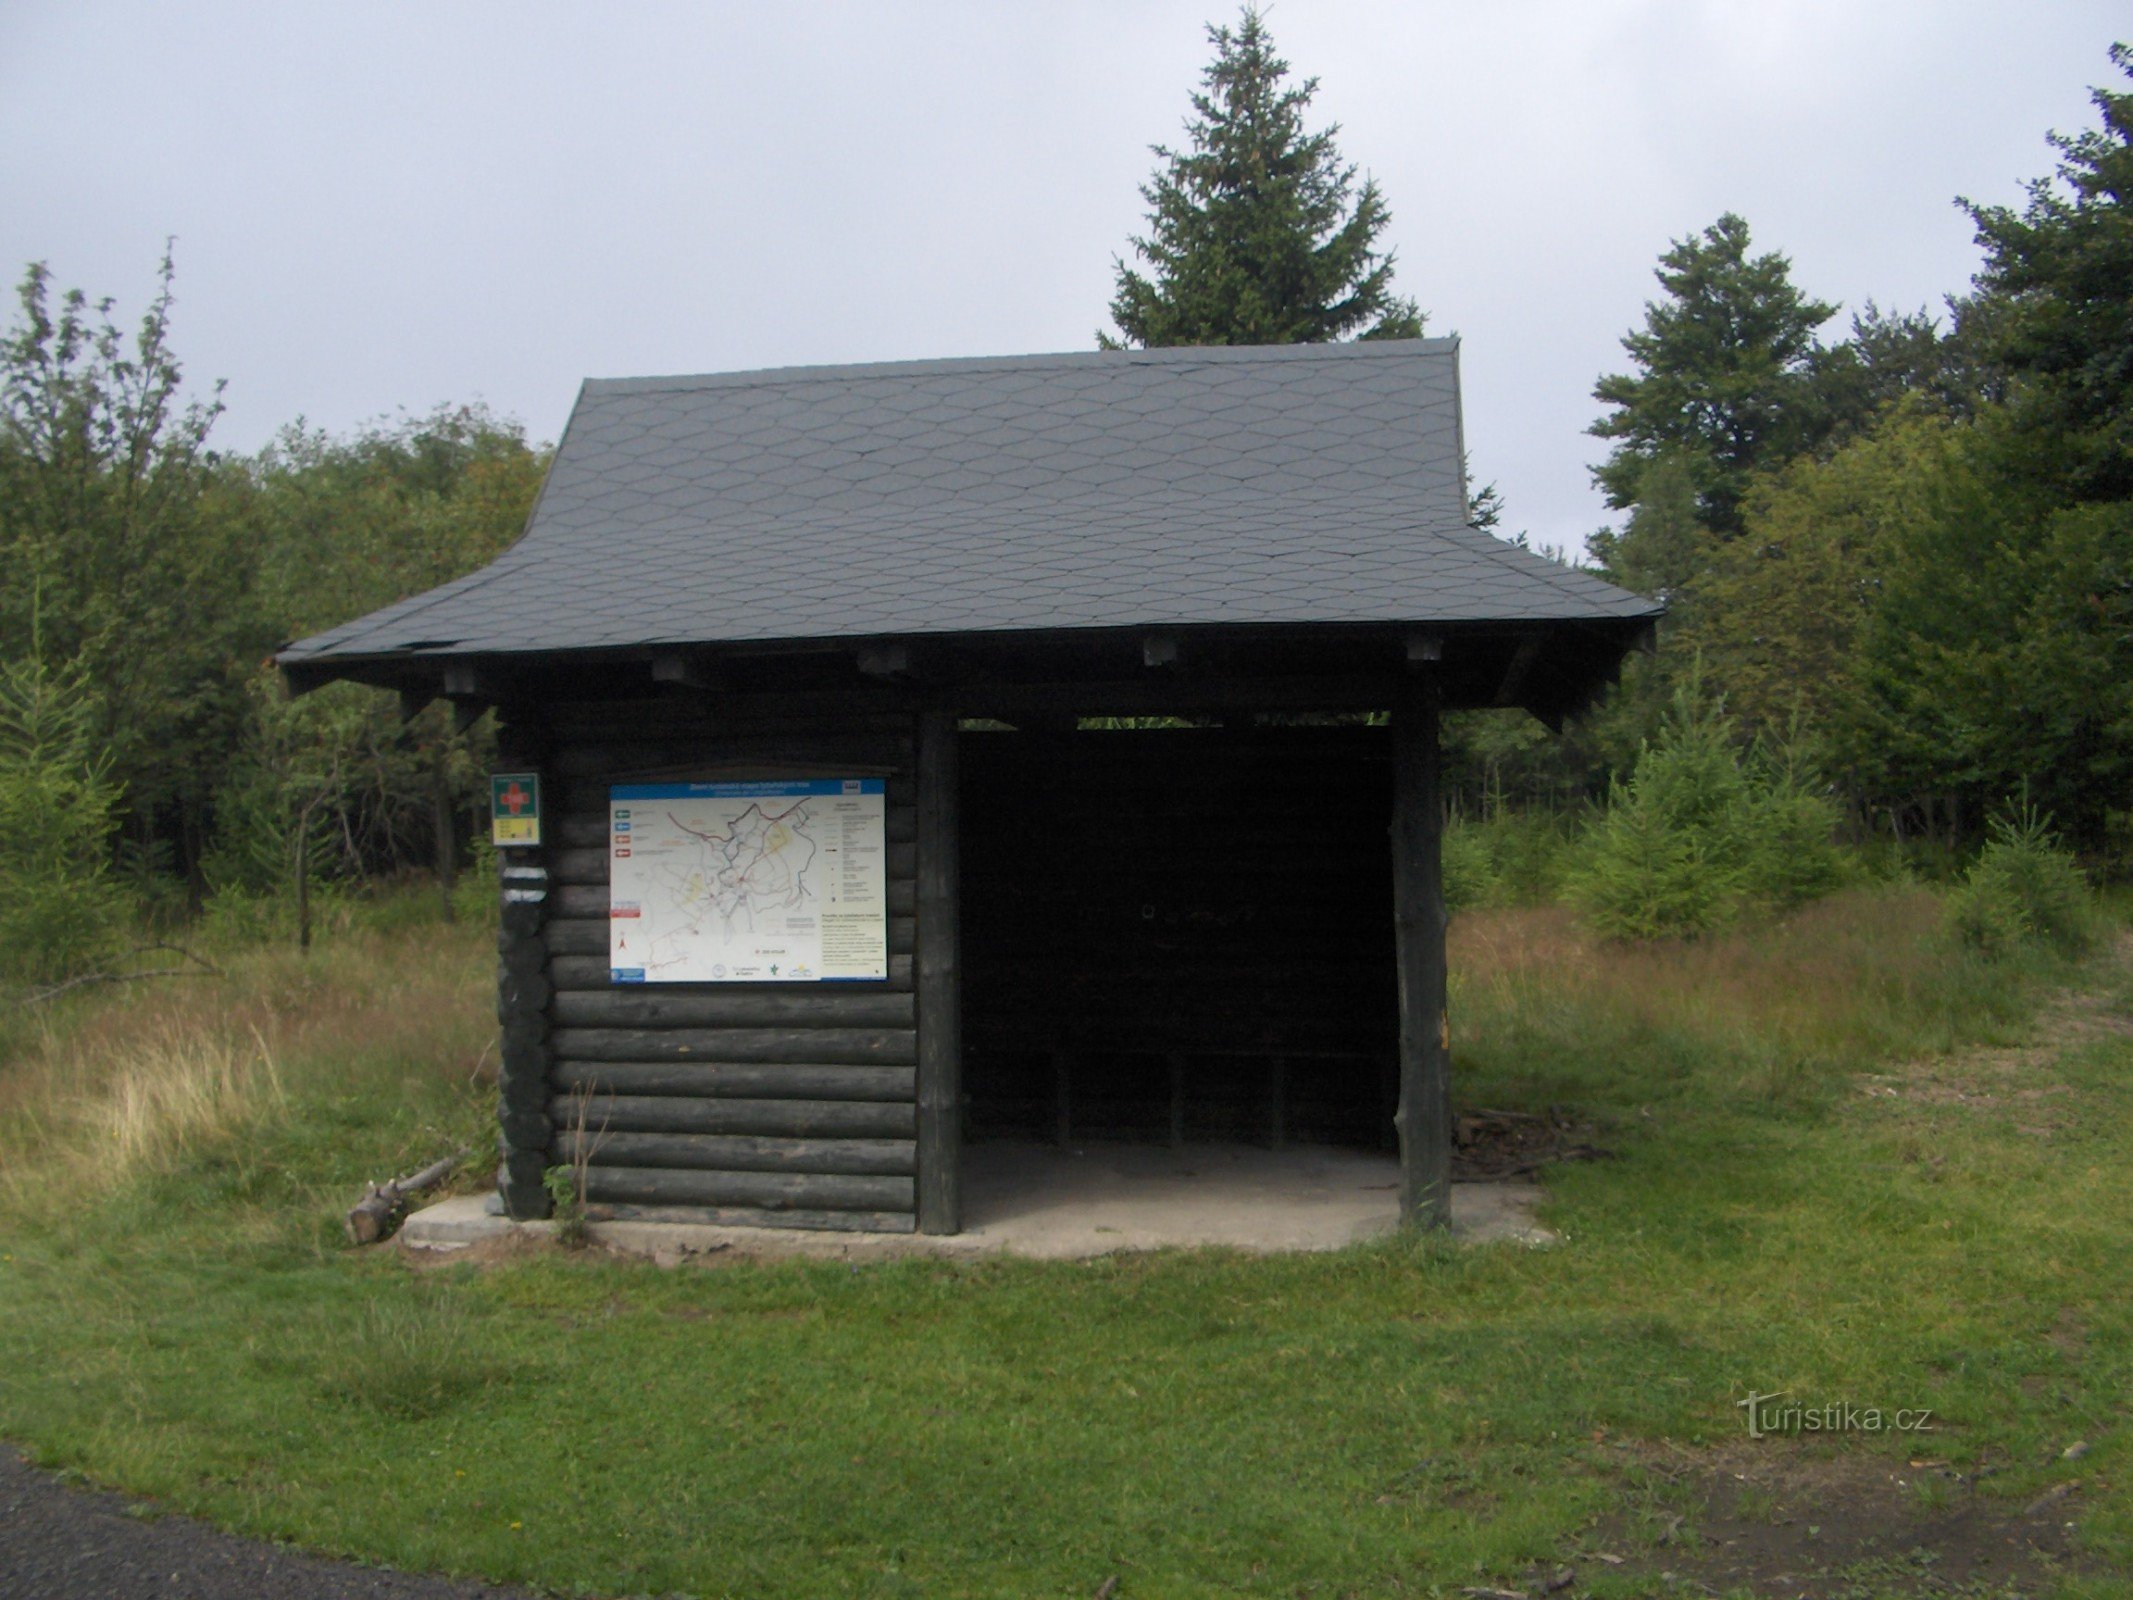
point(1179, 934)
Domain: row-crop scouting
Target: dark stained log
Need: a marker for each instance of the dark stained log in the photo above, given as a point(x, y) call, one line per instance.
point(721, 1152)
point(756, 1217)
point(522, 993)
point(582, 864)
point(771, 1190)
point(519, 1167)
point(854, 1046)
point(644, 1005)
point(590, 937)
point(1424, 1119)
point(584, 831)
point(780, 1119)
point(738, 1080)
point(581, 962)
point(940, 1002)
point(523, 1129)
point(526, 1090)
point(582, 900)
point(591, 899)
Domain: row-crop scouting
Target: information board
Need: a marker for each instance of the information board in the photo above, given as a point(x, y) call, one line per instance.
point(766, 882)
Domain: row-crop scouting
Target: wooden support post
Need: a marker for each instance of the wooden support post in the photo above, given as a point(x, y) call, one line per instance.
point(1424, 1119)
point(940, 999)
point(522, 997)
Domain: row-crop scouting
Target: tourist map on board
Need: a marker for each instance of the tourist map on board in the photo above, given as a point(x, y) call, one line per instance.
point(768, 882)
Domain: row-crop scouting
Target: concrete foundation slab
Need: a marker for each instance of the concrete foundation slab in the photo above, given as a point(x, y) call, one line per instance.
point(1046, 1201)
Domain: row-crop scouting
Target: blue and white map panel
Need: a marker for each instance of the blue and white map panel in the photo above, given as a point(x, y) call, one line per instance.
point(774, 882)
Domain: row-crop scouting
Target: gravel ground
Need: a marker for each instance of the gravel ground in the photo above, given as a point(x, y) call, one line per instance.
point(59, 1543)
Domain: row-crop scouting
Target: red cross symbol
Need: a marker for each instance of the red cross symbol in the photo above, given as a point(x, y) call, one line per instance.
point(514, 798)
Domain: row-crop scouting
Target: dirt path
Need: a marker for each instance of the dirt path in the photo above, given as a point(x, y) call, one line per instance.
point(59, 1543)
point(2018, 1078)
point(1796, 1517)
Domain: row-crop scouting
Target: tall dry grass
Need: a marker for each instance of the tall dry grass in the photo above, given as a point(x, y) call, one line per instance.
point(111, 1085)
point(1764, 1010)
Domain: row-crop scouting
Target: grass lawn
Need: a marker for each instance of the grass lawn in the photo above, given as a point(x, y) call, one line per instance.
point(1854, 1167)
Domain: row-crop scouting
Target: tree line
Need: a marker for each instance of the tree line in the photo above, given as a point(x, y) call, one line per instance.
point(1900, 556)
point(1898, 559)
point(151, 577)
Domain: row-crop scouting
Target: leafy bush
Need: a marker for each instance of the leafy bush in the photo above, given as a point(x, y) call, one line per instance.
point(1470, 875)
point(1703, 832)
point(59, 910)
point(2023, 890)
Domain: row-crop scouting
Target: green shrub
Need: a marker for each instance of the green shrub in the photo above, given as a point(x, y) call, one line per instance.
point(1507, 857)
point(1470, 875)
point(60, 912)
point(2023, 890)
point(1646, 877)
point(1786, 833)
point(1702, 833)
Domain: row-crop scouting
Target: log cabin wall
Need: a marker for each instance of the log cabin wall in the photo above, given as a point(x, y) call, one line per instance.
point(782, 1104)
point(1180, 934)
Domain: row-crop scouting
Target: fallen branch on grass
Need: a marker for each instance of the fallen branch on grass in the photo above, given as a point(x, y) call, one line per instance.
point(1577, 1152)
point(197, 965)
point(378, 1213)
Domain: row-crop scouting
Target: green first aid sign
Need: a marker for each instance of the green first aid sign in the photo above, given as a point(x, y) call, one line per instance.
point(514, 808)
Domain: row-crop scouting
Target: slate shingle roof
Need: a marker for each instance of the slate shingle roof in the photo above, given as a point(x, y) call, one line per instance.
point(1299, 484)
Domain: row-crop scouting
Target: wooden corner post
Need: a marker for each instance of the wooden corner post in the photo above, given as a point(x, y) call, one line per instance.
point(522, 995)
point(1424, 1119)
point(940, 991)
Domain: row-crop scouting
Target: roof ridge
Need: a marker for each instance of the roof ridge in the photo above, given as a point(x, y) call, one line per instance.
point(1166, 355)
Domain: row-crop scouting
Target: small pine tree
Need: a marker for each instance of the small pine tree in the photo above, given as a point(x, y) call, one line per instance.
point(2024, 889)
point(1257, 234)
point(1703, 832)
point(59, 910)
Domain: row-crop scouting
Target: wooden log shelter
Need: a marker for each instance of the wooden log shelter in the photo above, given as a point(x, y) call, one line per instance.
point(1042, 747)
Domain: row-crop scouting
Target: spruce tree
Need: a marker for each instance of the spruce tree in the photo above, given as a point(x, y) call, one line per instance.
point(1257, 234)
point(2062, 271)
point(1726, 379)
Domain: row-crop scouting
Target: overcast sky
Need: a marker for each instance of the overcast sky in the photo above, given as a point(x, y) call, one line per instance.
point(382, 206)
